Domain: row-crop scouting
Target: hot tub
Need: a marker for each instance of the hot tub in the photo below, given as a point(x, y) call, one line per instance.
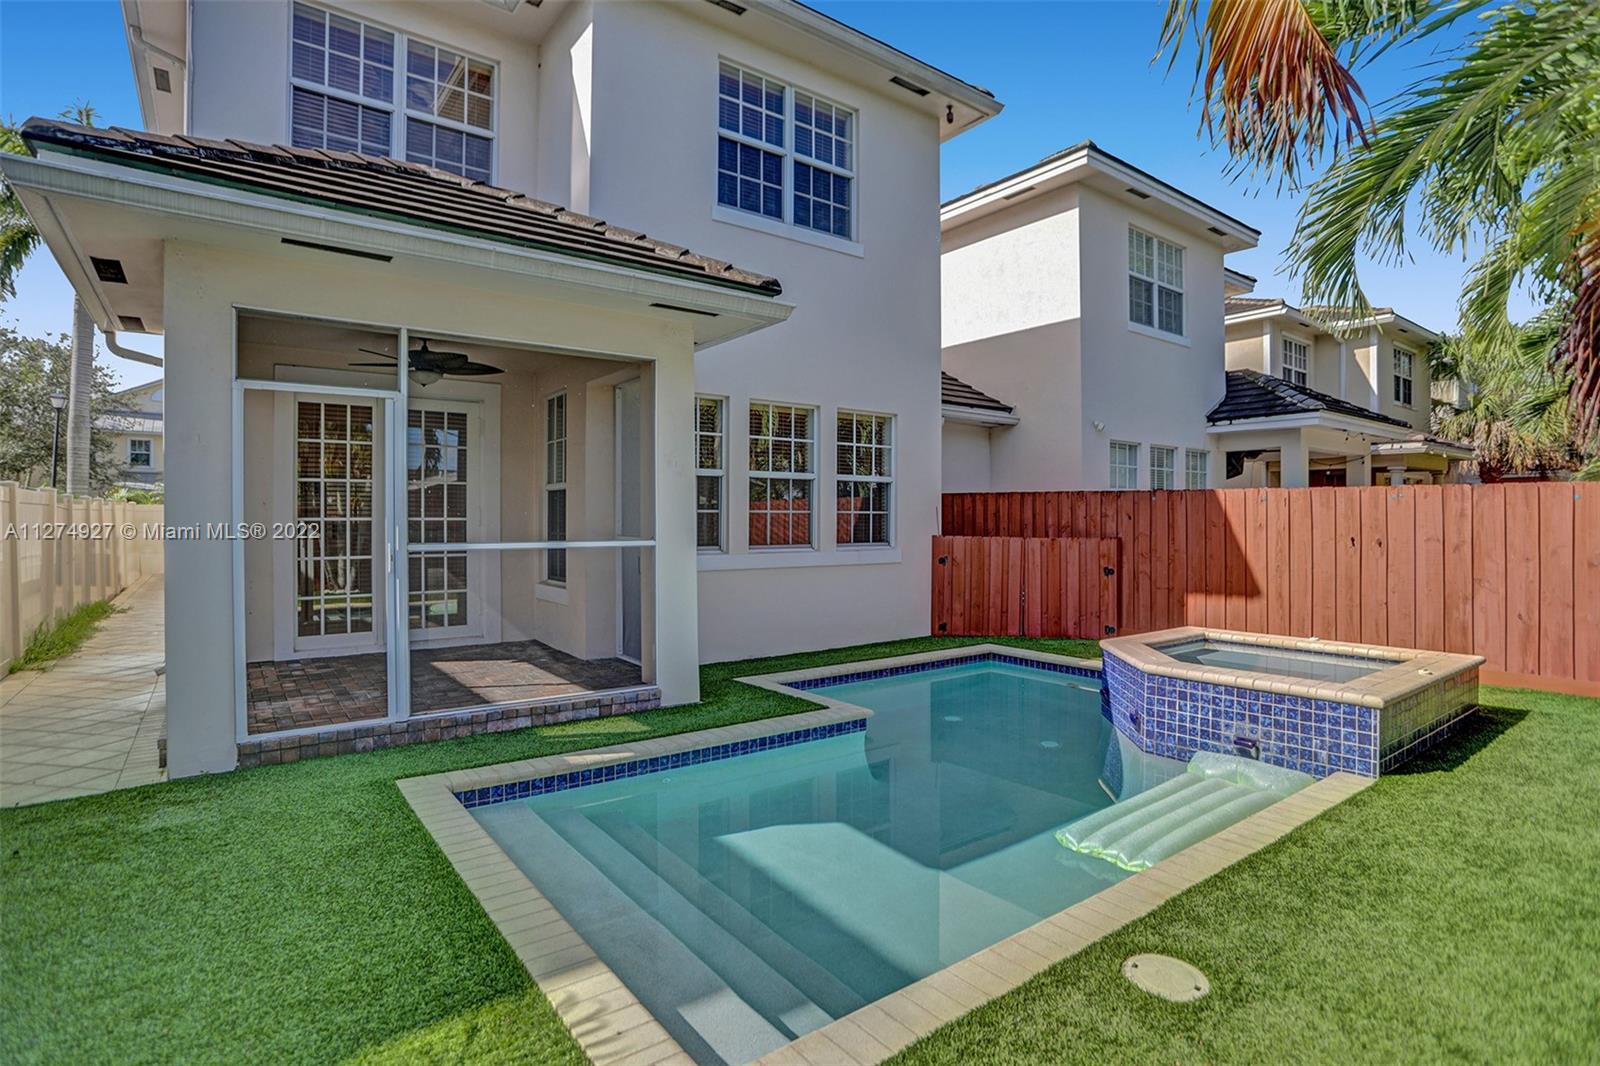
point(1307, 704)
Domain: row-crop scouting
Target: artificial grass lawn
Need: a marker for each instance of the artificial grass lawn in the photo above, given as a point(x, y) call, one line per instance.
point(300, 914)
point(49, 643)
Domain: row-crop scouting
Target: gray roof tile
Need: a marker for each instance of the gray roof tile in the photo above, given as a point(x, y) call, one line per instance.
point(1252, 394)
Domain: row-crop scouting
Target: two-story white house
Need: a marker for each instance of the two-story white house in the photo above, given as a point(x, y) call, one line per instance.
point(1083, 295)
point(488, 459)
point(136, 431)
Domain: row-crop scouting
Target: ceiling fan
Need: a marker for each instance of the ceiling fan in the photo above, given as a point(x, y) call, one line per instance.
point(427, 366)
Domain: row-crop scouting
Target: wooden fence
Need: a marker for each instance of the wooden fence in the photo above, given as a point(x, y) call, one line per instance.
point(60, 552)
point(1509, 572)
point(1025, 586)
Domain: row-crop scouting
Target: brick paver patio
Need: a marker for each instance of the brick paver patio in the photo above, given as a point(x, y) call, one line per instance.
point(299, 693)
point(90, 722)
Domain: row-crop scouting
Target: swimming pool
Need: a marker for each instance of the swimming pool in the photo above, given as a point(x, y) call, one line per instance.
point(747, 899)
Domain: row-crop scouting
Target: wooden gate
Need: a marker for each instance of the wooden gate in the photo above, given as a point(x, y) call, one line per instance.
point(1026, 586)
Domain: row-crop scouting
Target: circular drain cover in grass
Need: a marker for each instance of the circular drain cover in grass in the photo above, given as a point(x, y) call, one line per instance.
point(1167, 977)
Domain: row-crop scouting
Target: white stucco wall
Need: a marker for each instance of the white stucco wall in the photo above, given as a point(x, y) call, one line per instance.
point(966, 457)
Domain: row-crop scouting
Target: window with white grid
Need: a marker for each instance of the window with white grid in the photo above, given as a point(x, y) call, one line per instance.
point(1155, 282)
point(1195, 463)
point(1124, 465)
point(782, 475)
point(342, 74)
point(710, 475)
point(1163, 466)
point(864, 477)
point(824, 165)
point(139, 452)
point(437, 453)
point(1404, 365)
point(555, 485)
point(774, 139)
point(1296, 362)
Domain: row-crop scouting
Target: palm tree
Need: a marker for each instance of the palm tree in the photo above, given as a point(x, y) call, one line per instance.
point(1496, 148)
point(18, 239)
point(1517, 406)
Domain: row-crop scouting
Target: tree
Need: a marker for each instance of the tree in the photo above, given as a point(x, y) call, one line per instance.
point(1517, 415)
point(18, 239)
point(31, 368)
point(1497, 148)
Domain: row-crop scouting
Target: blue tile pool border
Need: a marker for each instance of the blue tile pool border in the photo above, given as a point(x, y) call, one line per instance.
point(811, 683)
point(595, 775)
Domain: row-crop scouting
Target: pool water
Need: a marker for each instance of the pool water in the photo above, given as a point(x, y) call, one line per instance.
point(1286, 662)
point(751, 900)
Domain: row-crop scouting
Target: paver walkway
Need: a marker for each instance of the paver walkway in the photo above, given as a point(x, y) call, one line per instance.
point(90, 722)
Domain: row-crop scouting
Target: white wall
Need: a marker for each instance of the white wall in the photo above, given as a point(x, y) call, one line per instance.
point(966, 457)
point(864, 335)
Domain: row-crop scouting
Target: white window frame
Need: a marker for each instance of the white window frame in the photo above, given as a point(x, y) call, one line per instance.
point(1154, 277)
point(399, 113)
point(1191, 467)
point(1131, 467)
point(1286, 368)
point(554, 558)
point(720, 472)
point(1409, 377)
point(148, 452)
point(785, 224)
point(1168, 473)
point(842, 478)
point(753, 475)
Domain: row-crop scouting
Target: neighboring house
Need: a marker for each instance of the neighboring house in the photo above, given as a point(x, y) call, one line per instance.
point(1316, 398)
point(135, 427)
point(1088, 294)
point(612, 458)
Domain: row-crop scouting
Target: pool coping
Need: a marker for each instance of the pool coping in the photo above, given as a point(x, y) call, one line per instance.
point(609, 1022)
point(1411, 670)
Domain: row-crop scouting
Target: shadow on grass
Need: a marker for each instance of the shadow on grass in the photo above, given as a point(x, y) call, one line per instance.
point(1469, 736)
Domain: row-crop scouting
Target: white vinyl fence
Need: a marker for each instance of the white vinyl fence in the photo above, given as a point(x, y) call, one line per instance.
point(59, 552)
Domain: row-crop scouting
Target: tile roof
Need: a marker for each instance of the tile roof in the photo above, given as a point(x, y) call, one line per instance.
point(1233, 305)
point(389, 188)
point(1252, 394)
point(957, 393)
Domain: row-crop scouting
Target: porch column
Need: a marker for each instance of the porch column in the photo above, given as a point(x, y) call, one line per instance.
point(201, 722)
point(1294, 462)
point(1358, 471)
point(675, 580)
point(1397, 474)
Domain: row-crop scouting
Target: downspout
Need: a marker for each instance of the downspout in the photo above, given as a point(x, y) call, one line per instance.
point(115, 348)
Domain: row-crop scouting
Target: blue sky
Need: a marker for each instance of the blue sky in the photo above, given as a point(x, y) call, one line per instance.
point(1066, 71)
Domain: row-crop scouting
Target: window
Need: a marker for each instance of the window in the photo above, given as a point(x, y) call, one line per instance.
point(1403, 364)
point(757, 161)
point(139, 453)
point(823, 166)
point(334, 489)
point(342, 77)
point(436, 513)
point(1163, 466)
point(781, 475)
point(710, 470)
point(865, 477)
point(555, 485)
point(1194, 468)
point(1124, 465)
point(1296, 362)
point(1155, 282)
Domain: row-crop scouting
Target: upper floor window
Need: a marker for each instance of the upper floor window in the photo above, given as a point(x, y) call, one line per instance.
point(1124, 465)
point(1296, 361)
point(773, 139)
point(139, 452)
point(1404, 362)
point(342, 76)
point(1155, 282)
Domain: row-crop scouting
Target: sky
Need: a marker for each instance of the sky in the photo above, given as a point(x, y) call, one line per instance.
point(1066, 70)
